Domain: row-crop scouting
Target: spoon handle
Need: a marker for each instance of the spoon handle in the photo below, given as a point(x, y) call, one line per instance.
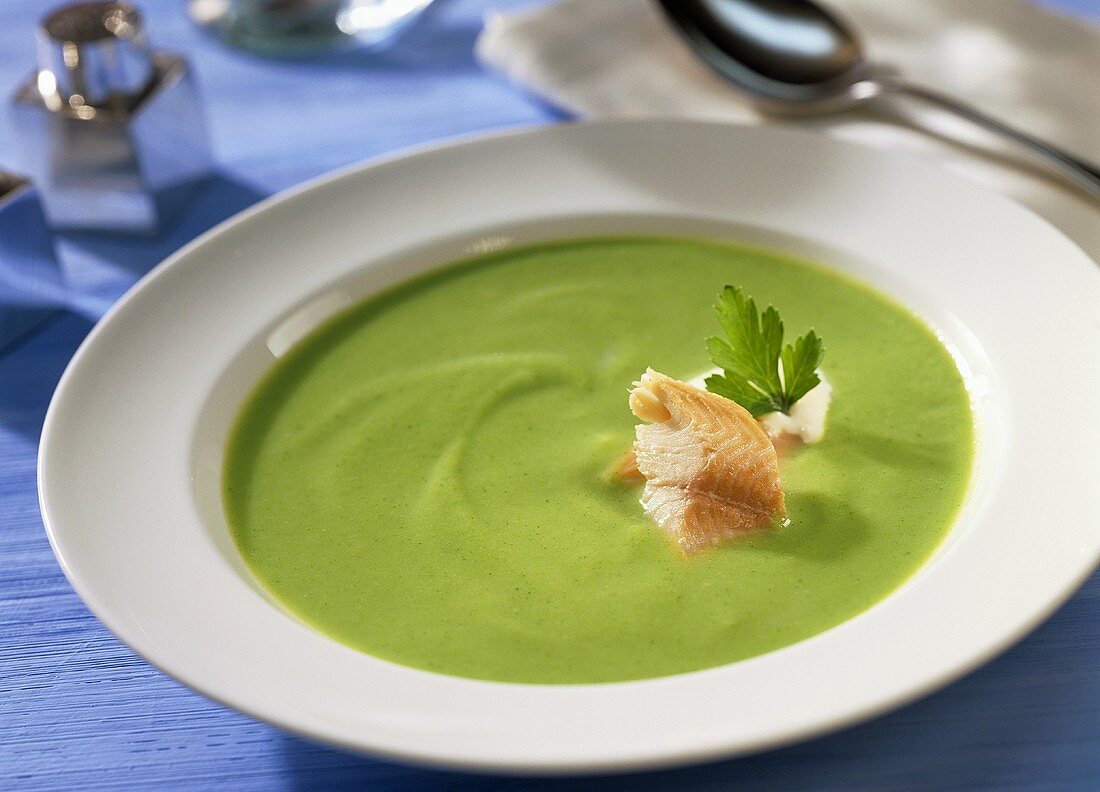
point(1078, 172)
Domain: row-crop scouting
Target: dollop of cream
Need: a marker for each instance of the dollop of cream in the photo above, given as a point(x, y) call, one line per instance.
point(807, 418)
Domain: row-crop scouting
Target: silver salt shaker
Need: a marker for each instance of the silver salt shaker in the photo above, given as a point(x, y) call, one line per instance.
point(111, 132)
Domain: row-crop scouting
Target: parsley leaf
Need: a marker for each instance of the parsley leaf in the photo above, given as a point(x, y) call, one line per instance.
point(758, 372)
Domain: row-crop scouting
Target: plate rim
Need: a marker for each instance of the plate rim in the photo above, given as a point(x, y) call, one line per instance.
point(432, 758)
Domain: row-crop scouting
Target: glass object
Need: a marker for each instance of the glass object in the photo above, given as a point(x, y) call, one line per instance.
point(300, 27)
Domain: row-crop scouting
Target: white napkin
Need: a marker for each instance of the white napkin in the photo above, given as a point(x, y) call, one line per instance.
point(1029, 66)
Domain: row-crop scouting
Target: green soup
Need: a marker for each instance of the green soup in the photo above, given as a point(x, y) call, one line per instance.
point(422, 479)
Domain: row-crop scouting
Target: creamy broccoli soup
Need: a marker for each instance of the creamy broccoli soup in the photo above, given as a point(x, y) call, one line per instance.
point(424, 478)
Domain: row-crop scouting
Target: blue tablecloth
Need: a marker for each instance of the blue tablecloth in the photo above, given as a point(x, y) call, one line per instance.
point(78, 710)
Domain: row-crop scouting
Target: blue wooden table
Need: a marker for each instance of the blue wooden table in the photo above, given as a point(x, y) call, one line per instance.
point(78, 710)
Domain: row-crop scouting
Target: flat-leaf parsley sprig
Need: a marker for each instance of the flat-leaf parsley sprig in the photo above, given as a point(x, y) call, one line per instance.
point(758, 372)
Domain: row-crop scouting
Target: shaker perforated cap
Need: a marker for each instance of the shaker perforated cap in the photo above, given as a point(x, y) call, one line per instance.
point(93, 55)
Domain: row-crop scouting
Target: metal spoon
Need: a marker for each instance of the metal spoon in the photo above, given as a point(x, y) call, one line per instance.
point(791, 57)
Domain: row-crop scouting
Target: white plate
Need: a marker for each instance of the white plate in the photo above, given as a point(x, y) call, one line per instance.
point(132, 445)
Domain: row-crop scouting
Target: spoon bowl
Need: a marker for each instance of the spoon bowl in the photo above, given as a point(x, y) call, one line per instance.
point(790, 57)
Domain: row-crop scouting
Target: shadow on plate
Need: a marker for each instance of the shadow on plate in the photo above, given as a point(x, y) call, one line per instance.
point(1017, 723)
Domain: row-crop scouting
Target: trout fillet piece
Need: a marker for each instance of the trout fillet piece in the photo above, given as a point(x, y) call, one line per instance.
point(711, 471)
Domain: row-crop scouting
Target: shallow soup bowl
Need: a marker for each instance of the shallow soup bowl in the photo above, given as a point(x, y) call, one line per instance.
point(134, 441)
